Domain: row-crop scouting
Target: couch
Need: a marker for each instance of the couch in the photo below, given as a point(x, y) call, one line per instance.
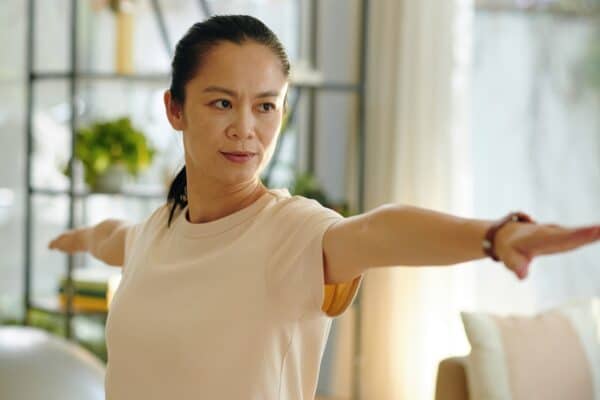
point(551, 355)
point(451, 382)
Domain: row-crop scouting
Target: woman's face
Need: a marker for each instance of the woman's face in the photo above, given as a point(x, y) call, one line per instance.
point(233, 104)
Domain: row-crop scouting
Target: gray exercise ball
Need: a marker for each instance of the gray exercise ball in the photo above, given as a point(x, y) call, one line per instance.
point(36, 365)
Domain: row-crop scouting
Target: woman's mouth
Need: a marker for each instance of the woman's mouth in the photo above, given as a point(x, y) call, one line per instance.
point(238, 158)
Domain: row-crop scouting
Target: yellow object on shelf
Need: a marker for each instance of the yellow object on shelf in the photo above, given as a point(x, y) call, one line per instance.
point(124, 41)
point(82, 303)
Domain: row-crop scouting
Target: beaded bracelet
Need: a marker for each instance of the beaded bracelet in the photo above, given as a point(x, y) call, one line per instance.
point(490, 235)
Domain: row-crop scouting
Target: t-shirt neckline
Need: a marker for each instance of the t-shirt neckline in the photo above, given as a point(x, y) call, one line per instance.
point(227, 222)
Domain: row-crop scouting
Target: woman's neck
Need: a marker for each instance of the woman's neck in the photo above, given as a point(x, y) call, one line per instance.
point(206, 206)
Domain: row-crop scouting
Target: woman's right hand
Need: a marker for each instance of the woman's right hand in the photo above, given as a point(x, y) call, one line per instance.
point(71, 241)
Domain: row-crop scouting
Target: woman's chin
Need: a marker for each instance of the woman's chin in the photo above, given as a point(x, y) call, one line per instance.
point(241, 177)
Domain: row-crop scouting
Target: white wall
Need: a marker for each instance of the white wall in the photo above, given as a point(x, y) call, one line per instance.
point(536, 147)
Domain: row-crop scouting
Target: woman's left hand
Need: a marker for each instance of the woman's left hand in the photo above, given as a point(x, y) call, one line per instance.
point(516, 243)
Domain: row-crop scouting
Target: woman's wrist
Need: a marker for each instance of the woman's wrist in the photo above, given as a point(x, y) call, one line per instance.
point(495, 234)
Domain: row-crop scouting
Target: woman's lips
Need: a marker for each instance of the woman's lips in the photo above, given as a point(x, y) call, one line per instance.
point(240, 159)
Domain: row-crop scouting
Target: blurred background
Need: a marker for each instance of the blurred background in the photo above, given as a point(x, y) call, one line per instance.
point(475, 108)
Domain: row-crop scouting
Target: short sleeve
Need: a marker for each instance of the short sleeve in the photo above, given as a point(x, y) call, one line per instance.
point(298, 266)
point(130, 237)
point(136, 230)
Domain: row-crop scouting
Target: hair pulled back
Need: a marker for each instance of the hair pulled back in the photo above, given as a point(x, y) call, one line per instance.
point(190, 54)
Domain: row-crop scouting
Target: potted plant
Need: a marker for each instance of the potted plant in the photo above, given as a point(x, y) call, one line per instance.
point(110, 152)
point(305, 184)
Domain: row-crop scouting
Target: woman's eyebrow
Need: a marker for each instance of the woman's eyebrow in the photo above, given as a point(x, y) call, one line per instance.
point(232, 93)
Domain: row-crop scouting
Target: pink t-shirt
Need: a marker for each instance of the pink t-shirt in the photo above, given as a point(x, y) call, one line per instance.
point(235, 308)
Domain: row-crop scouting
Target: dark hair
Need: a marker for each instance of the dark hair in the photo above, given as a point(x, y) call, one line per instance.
point(191, 52)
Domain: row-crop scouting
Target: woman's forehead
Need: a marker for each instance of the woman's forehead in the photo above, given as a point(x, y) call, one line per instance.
point(249, 66)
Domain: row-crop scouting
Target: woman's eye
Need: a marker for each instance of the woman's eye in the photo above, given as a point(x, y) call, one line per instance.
point(226, 103)
point(269, 105)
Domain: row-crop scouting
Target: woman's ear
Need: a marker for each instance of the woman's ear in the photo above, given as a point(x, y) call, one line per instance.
point(174, 111)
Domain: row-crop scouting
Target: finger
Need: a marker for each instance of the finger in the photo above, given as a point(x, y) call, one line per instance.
point(518, 263)
point(566, 239)
point(52, 244)
point(58, 243)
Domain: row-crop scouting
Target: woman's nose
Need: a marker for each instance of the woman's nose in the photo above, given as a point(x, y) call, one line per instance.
point(243, 125)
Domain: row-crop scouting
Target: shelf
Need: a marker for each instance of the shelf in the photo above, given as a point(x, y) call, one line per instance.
point(333, 86)
point(304, 80)
point(300, 82)
point(52, 305)
point(141, 77)
point(593, 12)
point(135, 193)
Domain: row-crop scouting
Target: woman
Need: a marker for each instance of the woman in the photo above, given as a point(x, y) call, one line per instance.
point(229, 288)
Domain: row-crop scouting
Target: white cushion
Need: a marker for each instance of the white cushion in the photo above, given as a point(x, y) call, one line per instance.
point(551, 355)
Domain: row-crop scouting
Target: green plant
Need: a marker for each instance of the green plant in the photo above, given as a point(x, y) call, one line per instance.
point(111, 143)
point(117, 5)
point(592, 61)
point(53, 323)
point(305, 184)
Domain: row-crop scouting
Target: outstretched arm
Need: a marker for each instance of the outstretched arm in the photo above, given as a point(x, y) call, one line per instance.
point(393, 235)
point(105, 241)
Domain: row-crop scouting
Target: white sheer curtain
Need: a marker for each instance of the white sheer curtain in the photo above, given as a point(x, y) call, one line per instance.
point(417, 154)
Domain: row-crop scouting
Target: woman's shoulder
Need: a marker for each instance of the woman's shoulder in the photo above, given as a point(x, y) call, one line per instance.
point(299, 208)
point(161, 211)
point(158, 216)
